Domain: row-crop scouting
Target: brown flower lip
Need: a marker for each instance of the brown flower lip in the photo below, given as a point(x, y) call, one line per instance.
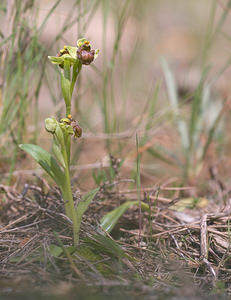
point(86, 56)
point(74, 124)
point(77, 129)
point(61, 53)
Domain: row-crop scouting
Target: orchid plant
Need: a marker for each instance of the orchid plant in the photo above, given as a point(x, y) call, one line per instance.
point(57, 165)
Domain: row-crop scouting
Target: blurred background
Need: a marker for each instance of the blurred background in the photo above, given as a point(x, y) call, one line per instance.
point(160, 85)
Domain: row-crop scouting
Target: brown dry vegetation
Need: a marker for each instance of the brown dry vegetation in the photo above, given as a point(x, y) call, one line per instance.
point(183, 242)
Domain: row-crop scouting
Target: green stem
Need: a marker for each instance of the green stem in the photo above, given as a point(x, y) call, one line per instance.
point(69, 200)
point(66, 151)
point(68, 110)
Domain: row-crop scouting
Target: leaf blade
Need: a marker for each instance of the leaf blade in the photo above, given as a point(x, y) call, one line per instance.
point(46, 161)
point(110, 219)
point(82, 206)
point(66, 89)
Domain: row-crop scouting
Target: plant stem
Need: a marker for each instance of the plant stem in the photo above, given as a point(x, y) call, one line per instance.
point(67, 193)
point(70, 202)
point(68, 110)
point(67, 154)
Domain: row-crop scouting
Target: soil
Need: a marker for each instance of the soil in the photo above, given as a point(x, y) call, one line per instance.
point(181, 250)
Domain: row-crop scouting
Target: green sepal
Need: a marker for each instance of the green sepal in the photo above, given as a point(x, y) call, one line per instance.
point(96, 53)
point(60, 60)
point(55, 60)
point(67, 129)
point(81, 41)
point(72, 51)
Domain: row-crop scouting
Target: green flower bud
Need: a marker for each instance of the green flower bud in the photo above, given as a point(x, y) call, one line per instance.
point(66, 121)
point(67, 129)
point(71, 126)
point(50, 125)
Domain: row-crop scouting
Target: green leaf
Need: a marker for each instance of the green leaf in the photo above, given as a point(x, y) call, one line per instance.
point(75, 72)
point(70, 249)
point(46, 161)
point(110, 219)
point(66, 89)
point(55, 250)
point(103, 243)
point(58, 154)
point(83, 204)
point(189, 203)
point(59, 135)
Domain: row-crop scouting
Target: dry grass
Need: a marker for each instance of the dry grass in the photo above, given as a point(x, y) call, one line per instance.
point(194, 242)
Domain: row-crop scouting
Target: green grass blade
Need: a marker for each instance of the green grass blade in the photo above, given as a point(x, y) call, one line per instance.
point(152, 107)
point(173, 98)
point(48, 16)
point(196, 112)
point(160, 155)
point(211, 132)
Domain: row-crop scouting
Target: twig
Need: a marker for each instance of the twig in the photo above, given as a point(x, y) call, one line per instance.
point(204, 246)
point(204, 250)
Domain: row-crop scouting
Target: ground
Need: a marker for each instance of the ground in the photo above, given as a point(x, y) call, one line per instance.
point(155, 112)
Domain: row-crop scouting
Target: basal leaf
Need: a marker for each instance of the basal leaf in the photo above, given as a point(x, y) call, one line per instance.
point(189, 203)
point(55, 250)
point(110, 219)
point(46, 161)
point(83, 204)
point(103, 243)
